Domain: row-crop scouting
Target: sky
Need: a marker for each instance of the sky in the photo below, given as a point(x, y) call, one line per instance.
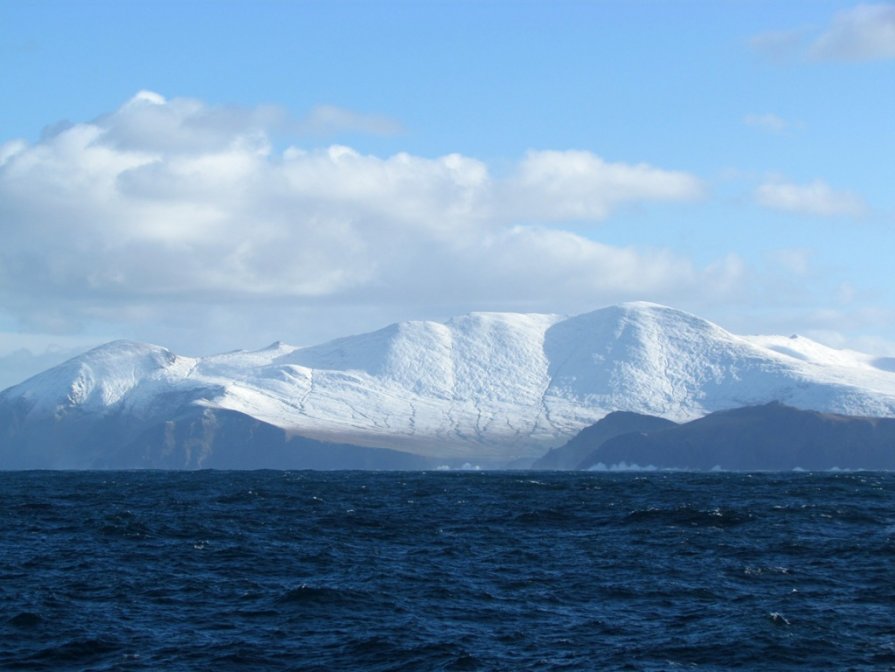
point(210, 176)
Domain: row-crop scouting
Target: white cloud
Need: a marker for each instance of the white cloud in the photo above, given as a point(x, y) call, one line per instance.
point(766, 122)
point(329, 119)
point(150, 122)
point(815, 198)
point(580, 185)
point(863, 33)
point(173, 213)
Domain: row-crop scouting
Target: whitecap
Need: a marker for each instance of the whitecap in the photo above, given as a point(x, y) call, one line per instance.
point(622, 466)
point(778, 619)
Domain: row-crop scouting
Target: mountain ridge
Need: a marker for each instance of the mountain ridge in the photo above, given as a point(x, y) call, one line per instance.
point(768, 437)
point(491, 388)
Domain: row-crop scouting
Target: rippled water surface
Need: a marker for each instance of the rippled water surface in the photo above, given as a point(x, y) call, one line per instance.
point(446, 571)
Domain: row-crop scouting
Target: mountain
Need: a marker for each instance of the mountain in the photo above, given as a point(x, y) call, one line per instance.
point(771, 437)
point(576, 453)
point(491, 389)
point(22, 363)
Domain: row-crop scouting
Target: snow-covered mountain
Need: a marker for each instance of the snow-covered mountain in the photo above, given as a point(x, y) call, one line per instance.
point(487, 388)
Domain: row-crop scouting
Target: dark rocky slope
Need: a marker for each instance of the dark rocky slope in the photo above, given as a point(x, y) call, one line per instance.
point(197, 438)
point(572, 454)
point(771, 437)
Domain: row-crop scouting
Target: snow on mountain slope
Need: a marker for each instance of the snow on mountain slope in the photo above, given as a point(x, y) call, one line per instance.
point(660, 361)
point(831, 364)
point(486, 386)
point(120, 372)
point(468, 384)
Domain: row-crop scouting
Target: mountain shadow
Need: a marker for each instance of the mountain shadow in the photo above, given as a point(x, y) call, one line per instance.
point(577, 452)
point(771, 437)
point(197, 438)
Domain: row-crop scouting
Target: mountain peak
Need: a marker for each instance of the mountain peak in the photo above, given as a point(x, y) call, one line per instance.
point(98, 378)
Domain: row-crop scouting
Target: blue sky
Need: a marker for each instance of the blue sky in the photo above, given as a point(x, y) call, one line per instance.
point(729, 158)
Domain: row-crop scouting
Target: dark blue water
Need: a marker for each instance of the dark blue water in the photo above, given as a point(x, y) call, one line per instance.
point(446, 571)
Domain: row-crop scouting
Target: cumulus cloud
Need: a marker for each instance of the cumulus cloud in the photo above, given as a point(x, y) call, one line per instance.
point(865, 32)
point(580, 185)
point(815, 198)
point(176, 211)
point(150, 122)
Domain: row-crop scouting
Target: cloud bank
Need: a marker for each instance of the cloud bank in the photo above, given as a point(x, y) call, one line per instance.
point(173, 210)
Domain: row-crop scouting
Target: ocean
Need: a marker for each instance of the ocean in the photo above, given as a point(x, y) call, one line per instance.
point(270, 570)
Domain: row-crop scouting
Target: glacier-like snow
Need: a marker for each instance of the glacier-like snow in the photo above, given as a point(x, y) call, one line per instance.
point(491, 387)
